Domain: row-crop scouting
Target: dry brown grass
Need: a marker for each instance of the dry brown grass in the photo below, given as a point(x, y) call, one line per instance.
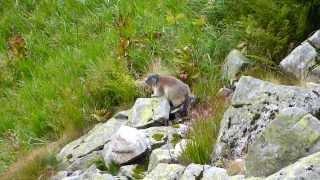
point(274, 75)
point(39, 164)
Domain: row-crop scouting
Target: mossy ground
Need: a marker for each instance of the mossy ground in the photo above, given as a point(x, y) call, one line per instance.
point(158, 136)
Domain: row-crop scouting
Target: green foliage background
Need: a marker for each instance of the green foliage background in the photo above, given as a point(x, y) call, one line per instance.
point(85, 55)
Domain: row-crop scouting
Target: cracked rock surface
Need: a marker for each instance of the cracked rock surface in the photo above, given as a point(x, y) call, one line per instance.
point(294, 133)
point(254, 105)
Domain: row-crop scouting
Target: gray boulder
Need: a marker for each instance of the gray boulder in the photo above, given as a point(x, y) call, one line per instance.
point(161, 155)
point(84, 162)
point(215, 173)
point(306, 168)
point(301, 62)
point(92, 173)
point(193, 171)
point(165, 172)
point(94, 140)
point(254, 105)
point(290, 136)
point(167, 154)
point(148, 111)
point(60, 175)
point(235, 62)
point(127, 171)
point(161, 135)
point(314, 40)
point(126, 146)
point(180, 147)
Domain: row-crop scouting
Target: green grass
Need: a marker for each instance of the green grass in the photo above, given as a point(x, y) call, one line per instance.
point(202, 135)
point(79, 57)
point(139, 171)
point(113, 168)
point(199, 149)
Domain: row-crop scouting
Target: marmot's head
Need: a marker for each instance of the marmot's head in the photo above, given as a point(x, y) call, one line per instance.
point(152, 79)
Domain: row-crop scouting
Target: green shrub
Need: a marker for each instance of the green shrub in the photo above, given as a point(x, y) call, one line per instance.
point(268, 27)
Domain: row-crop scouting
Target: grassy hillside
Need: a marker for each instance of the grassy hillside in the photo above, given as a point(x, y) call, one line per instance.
point(62, 61)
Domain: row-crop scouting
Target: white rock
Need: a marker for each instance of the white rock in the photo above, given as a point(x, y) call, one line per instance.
point(148, 111)
point(126, 145)
point(300, 61)
point(161, 155)
point(215, 173)
point(235, 62)
point(305, 168)
point(60, 175)
point(180, 147)
point(255, 103)
point(94, 140)
point(315, 39)
point(165, 172)
point(193, 171)
point(127, 171)
point(92, 173)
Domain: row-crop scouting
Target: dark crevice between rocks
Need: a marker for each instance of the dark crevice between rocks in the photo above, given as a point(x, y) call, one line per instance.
point(316, 93)
point(76, 146)
point(99, 148)
point(200, 175)
point(272, 115)
point(309, 168)
point(154, 124)
point(255, 117)
point(229, 123)
point(244, 132)
point(307, 150)
point(144, 157)
point(317, 114)
point(240, 105)
point(314, 46)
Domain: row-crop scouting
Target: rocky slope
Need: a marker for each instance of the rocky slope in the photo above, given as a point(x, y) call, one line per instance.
point(270, 131)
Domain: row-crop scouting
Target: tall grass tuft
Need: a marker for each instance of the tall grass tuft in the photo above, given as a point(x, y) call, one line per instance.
point(203, 134)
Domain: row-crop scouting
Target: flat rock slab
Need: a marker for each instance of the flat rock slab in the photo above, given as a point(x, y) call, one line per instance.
point(91, 173)
point(160, 135)
point(94, 140)
point(254, 105)
point(193, 171)
point(306, 168)
point(161, 155)
point(165, 172)
point(215, 173)
point(128, 171)
point(148, 111)
point(293, 134)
